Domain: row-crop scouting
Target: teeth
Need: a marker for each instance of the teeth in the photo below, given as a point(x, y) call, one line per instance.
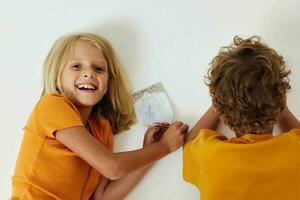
point(86, 86)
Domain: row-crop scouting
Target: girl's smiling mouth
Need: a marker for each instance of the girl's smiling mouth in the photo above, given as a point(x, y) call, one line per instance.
point(86, 87)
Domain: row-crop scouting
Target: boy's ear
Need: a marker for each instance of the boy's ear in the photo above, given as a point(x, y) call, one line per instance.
point(214, 109)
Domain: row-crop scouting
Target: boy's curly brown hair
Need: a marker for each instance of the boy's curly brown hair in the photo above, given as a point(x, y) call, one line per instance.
point(248, 83)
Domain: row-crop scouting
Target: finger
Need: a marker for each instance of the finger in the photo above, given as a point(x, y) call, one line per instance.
point(157, 136)
point(184, 128)
point(176, 123)
point(149, 130)
point(152, 130)
point(179, 123)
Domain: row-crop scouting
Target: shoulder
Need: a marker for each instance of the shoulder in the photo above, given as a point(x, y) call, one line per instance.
point(56, 109)
point(54, 98)
point(54, 112)
point(205, 139)
point(295, 132)
point(55, 102)
point(208, 135)
point(198, 149)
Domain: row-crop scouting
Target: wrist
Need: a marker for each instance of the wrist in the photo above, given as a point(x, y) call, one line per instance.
point(164, 146)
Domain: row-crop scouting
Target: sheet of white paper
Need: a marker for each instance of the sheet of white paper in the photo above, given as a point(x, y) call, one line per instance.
point(153, 107)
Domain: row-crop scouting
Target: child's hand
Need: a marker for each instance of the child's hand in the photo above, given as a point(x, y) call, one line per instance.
point(174, 137)
point(154, 133)
point(151, 135)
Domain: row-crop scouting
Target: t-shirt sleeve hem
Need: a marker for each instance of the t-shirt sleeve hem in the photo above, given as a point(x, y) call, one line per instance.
point(54, 130)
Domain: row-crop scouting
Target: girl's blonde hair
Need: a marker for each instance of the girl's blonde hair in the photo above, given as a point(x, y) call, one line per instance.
point(117, 104)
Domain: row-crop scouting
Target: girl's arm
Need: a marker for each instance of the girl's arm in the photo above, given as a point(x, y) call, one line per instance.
point(287, 121)
point(209, 120)
point(117, 165)
point(118, 189)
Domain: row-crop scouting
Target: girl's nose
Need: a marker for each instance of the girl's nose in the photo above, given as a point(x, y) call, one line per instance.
point(88, 74)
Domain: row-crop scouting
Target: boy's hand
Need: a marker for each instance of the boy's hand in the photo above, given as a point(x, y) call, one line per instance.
point(174, 137)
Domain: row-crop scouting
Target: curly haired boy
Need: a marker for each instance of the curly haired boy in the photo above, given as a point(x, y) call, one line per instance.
point(248, 82)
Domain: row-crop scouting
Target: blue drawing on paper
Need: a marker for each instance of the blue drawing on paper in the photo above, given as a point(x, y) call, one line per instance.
point(153, 107)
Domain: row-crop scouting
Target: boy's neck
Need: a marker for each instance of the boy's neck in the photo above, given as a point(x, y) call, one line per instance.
point(260, 132)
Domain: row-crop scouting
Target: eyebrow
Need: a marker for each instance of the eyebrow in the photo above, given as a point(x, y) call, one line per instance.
point(94, 63)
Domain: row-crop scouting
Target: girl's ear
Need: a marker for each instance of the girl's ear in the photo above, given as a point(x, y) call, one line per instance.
point(107, 85)
point(58, 87)
point(58, 90)
point(107, 88)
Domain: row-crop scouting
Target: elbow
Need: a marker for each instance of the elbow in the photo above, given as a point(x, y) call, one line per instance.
point(115, 170)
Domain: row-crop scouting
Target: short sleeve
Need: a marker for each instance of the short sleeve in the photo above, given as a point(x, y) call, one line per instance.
point(190, 166)
point(194, 150)
point(55, 112)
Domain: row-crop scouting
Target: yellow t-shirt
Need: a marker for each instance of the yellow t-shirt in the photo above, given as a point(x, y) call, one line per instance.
point(45, 168)
point(252, 167)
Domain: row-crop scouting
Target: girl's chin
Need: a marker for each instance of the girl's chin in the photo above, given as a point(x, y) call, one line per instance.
point(86, 103)
point(85, 100)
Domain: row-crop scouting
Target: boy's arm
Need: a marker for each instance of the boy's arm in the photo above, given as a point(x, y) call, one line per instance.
point(287, 121)
point(209, 120)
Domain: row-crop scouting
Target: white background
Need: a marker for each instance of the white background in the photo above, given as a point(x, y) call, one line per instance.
point(157, 40)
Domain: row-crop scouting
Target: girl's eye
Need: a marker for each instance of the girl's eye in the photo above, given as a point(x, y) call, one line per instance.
point(76, 66)
point(99, 69)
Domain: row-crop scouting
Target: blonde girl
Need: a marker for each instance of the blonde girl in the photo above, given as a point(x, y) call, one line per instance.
point(66, 152)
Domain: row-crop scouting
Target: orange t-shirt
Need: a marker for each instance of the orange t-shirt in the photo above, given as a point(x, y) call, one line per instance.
point(251, 167)
point(45, 168)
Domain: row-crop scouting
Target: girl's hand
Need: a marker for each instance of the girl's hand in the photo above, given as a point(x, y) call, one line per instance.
point(151, 134)
point(174, 137)
point(154, 133)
